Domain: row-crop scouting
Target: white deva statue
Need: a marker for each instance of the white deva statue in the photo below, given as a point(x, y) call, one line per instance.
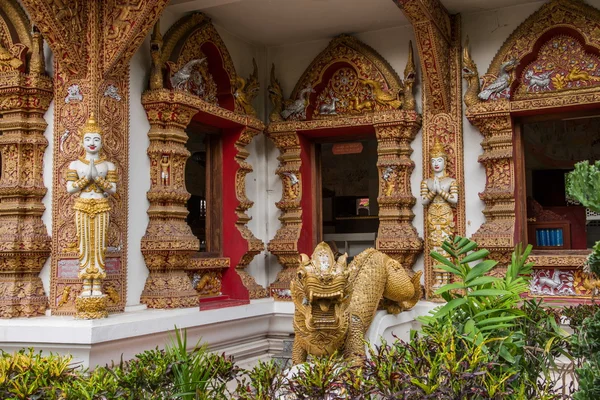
point(94, 178)
point(440, 192)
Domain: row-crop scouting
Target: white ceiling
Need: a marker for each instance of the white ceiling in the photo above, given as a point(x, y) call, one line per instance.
point(277, 22)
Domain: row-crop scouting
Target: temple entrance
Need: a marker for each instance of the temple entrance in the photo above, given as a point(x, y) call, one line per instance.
point(349, 185)
point(549, 150)
point(202, 176)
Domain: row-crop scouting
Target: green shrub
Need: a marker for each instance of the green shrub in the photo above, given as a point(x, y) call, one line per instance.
point(26, 374)
point(261, 382)
point(578, 313)
point(520, 337)
point(586, 345)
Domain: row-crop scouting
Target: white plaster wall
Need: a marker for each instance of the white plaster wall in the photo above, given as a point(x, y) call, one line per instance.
point(47, 173)
point(242, 52)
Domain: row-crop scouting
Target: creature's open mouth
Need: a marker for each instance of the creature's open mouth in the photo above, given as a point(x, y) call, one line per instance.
point(324, 305)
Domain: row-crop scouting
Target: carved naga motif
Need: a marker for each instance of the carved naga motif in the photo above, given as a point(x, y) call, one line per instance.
point(276, 97)
point(246, 90)
point(336, 303)
point(470, 74)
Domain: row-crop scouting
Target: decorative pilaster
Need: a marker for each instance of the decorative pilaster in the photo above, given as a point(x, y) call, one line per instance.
point(397, 237)
point(24, 241)
point(93, 42)
point(285, 243)
point(169, 243)
point(497, 232)
point(255, 245)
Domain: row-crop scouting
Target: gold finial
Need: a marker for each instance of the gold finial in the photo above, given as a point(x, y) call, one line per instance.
point(91, 126)
point(437, 150)
point(466, 53)
point(156, 36)
point(410, 64)
point(36, 64)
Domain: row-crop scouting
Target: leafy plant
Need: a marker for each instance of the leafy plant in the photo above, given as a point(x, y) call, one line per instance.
point(441, 364)
point(322, 378)
point(260, 383)
point(577, 314)
point(481, 306)
point(520, 337)
point(586, 344)
point(199, 374)
point(27, 374)
point(583, 183)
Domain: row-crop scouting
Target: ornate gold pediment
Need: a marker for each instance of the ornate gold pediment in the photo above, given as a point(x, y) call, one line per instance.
point(193, 47)
point(554, 50)
point(15, 37)
point(347, 78)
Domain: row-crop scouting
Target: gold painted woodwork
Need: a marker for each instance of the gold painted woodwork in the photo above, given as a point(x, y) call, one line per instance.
point(438, 42)
point(93, 42)
point(25, 95)
point(168, 245)
point(434, 32)
point(395, 130)
point(494, 118)
point(335, 303)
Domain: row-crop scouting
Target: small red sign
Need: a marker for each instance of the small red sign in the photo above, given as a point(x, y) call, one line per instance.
point(347, 148)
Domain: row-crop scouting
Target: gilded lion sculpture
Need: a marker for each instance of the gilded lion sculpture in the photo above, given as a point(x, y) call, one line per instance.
point(336, 303)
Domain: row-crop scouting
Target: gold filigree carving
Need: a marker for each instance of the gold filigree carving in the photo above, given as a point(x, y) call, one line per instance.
point(433, 28)
point(440, 54)
point(91, 307)
point(184, 42)
point(246, 90)
point(365, 82)
point(169, 245)
point(255, 246)
point(24, 98)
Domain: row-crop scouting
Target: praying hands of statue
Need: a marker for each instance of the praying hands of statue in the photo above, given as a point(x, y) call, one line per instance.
point(436, 186)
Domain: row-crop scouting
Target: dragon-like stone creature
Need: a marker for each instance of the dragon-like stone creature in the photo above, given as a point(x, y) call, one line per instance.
point(336, 303)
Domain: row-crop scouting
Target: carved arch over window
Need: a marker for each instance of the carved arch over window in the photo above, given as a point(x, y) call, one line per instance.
point(15, 36)
point(348, 88)
point(543, 81)
point(359, 78)
point(195, 38)
point(556, 21)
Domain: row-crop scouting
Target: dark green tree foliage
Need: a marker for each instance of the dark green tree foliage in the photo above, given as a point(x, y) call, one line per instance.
point(583, 183)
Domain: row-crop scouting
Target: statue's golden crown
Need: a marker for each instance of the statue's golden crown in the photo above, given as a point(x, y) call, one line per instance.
point(437, 150)
point(91, 126)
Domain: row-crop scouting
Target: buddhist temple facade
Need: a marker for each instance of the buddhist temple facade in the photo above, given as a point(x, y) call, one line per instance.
point(232, 136)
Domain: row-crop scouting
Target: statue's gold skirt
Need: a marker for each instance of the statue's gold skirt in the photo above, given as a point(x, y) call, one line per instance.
point(440, 222)
point(91, 220)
